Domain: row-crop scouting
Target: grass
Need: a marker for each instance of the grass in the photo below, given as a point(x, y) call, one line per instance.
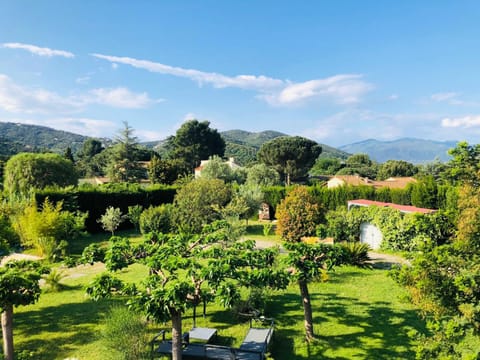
point(358, 314)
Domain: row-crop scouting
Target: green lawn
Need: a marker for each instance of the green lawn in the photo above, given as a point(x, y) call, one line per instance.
point(358, 314)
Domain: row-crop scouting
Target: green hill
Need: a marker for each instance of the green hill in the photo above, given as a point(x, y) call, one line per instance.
point(15, 138)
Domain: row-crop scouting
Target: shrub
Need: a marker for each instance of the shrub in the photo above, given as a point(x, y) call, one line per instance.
point(356, 253)
point(156, 219)
point(134, 213)
point(112, 219)
point(125, 334)
point(45, 229)
point(52, 280)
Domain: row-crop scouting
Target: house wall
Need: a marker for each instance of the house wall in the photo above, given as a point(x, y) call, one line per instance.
point(371, 235)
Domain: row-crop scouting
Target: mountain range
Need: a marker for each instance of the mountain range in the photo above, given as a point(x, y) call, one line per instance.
point(240, 144)
point(416, 151)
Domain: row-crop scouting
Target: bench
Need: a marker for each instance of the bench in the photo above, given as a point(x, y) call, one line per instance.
point(254, 345)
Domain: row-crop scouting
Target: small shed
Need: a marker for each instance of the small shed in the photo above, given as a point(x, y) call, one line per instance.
point(371, 234)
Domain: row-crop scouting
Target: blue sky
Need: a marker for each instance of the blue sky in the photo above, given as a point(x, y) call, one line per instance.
point(334, 71)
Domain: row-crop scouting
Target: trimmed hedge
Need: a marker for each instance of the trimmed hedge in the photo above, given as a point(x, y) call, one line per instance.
point(96, 199)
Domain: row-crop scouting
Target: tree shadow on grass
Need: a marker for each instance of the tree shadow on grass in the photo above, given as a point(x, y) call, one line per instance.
point(345, 327)
point(54, 330)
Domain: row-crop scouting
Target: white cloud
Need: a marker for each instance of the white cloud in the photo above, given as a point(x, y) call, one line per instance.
point(215, 79)
point(120, 97)
point(82, 80)
point(461, 122)
point(342, 89)
point(41, 51)
point(18, 99)
point(147, 135)
point(439, 97)
point(393, 97)
point(189, 116)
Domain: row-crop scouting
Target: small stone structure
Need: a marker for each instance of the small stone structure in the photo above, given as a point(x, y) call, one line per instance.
point(264, 212)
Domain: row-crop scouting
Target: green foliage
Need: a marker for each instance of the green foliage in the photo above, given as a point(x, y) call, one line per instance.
point(344, 225)
point(267, 228)
point(124, 163)
point(262, 175)
point(104, 286)
point(119, 254)
point(465, 163)
point(156, 219)
point(195, 141)
point(25, 172)
point(216, 168)
point(292, 157)
point(197, 204)
point(45, 228)
point(53, 280)
point(125, 334)
point(425, 193)
point(396, 168)
point(86, 164)
point(326, 166)
point(134, 213)
point(298, 215)
point(355, 253)
point(92, 253)
point(359, 164)
point(112, 219)
point(166, 171)
point(96, 199)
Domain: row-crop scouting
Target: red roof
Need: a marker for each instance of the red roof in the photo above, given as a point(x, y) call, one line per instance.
point(402, 208)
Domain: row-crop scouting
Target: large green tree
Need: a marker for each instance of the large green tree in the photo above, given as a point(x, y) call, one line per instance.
point(87, 163)
point(124, 163)
point(166, 171)
point(396, 168)
point(197, 203)
point(186, 270)
point(291, 156)
point(361, 165)
point(195, 141)
point(262, 175)
point(19, 285)
point(27, 171)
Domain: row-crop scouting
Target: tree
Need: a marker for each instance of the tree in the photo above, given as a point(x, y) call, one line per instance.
point(465, 163)
point(298, 215)
point(18, 286)
point(197, 202)
point(425, 193)
point(326, 166)
point(195, 141)
point(396, 168)
point(124, 164)
point(262, 175)
point(27, 171)
point(361, 165)
point(291, 156)
point(68, 154)
point(186, 270)
point(112, 219)
point(87, 164)
point(251, 196)
point(310, 262)
point(166, 171)
point(216, 168)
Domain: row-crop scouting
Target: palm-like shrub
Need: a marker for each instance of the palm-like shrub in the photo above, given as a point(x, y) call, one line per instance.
point(356, 253)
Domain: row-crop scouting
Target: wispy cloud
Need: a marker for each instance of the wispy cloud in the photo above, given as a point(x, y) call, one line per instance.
point(120, 97)
point(82, 80)
point(215, 79)
point(18, 99)
point(41, 51)
point(446, 96)
point(341, 89)
point(462, 122)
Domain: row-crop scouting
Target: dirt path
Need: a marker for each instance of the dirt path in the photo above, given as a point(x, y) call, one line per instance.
point(18, 256)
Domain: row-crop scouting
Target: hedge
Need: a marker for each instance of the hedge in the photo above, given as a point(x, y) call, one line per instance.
point(96, 199)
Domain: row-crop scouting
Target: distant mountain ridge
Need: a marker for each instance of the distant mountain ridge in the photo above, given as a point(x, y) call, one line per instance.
point(416, 151)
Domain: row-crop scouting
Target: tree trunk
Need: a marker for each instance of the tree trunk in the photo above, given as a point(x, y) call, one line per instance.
point(7, 331)
point(176, 335)
point(307, 310)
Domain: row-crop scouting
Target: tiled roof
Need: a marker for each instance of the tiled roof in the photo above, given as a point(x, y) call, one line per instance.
point(402, 208)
